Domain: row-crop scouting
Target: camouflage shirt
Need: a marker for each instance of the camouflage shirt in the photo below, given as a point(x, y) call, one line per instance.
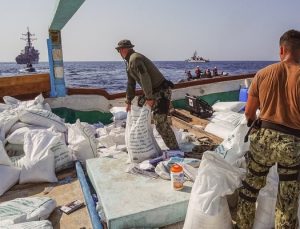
point(141, 70)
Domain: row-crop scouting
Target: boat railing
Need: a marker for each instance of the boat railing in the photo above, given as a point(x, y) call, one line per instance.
point(28, 86)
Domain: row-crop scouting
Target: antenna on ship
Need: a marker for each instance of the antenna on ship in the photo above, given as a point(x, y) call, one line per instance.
point(28, 37)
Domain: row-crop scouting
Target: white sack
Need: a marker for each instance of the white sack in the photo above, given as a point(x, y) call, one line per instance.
point(216, 178)
point(18, 125)
point(62, 156)
point(228, 116)
point(42, 118)
point(28, 209)
point(82, 141)
point(119, 113)
point(140, 142)
point(234, 147)
point(201, 220)
point(36, 103)
point(4, 159)
point(43, 224)
point(114, 137)
point(229, 106)
point(221, 129)
point(4, 107)
point(7, 119)
point(17, 137)
point(39, 165)
point(11, 100)
point(9, 176)
point(266, 202)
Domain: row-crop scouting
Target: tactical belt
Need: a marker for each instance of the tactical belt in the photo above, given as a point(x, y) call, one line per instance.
point(158, 88)
point(280, 128)
point(255, 124)
point(247, 198)
point(296, 167)
point(164, 85)
point(250, 188)
point(288, 177)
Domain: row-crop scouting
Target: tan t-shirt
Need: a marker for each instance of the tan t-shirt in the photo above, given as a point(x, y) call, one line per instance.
point(278, 88)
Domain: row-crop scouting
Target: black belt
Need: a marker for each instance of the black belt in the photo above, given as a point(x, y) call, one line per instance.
point(158, 88)
point(164, 85)
point(280, 128)
point(258, 123)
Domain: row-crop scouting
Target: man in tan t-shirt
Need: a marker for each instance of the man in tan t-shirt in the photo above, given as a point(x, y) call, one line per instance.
point(275, 90)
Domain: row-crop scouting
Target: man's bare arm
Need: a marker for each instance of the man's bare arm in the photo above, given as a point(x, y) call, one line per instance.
point(251, 108)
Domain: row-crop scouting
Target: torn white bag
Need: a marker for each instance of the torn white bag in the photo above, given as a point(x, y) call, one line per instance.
point(208, 206)
point(234, 147)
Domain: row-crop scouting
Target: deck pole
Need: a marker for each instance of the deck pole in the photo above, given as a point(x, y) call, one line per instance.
point(51, 69)
point(56, 64)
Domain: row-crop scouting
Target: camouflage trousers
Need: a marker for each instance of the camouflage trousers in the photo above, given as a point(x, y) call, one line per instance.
point(268, 147)
point(160, 114)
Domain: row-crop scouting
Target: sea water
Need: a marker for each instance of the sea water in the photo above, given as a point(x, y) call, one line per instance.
point(111, 75)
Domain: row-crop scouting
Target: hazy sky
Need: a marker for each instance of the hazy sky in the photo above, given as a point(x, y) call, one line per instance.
point(160, 29)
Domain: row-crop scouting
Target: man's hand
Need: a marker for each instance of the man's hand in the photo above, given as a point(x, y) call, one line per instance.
point(128, 107)
point(150, 102)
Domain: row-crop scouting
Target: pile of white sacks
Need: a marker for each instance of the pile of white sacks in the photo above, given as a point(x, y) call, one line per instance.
point(35, 143)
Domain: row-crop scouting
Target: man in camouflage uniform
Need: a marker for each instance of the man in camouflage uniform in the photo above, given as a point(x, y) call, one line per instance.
point(275, 138)
point(157, 90)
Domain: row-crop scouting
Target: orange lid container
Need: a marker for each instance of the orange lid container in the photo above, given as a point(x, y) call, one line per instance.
point(176, 168)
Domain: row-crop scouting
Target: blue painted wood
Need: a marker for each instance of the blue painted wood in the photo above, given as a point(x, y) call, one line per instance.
point(95, 219)
point(51, 67)
point(65, 9)
point(60, 87)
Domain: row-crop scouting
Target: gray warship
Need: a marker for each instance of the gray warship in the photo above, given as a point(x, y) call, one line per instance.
point(29, 55)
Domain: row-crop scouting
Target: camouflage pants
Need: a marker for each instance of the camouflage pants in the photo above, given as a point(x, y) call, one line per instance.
point(160, 115)
point(266, 148)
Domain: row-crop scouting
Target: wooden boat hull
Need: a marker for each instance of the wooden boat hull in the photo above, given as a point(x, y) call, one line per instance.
point(92, 104)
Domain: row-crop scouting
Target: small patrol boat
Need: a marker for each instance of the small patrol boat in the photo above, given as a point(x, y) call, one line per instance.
point(198, 59)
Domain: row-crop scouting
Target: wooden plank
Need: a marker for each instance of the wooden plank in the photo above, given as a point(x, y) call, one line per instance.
point(62, 194)
point(25, 87)
point(196, 126)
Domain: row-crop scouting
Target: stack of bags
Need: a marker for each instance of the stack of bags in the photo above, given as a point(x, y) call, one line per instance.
point(35, 143)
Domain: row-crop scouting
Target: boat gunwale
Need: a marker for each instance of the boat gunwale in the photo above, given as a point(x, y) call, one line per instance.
point(103, 92)
point(40, 83)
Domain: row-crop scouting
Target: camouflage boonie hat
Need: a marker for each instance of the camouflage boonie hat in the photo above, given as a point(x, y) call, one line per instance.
point(124, 44)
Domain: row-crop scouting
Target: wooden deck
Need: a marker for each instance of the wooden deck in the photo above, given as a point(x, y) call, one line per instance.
point(62, 194)
point(196, 126)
